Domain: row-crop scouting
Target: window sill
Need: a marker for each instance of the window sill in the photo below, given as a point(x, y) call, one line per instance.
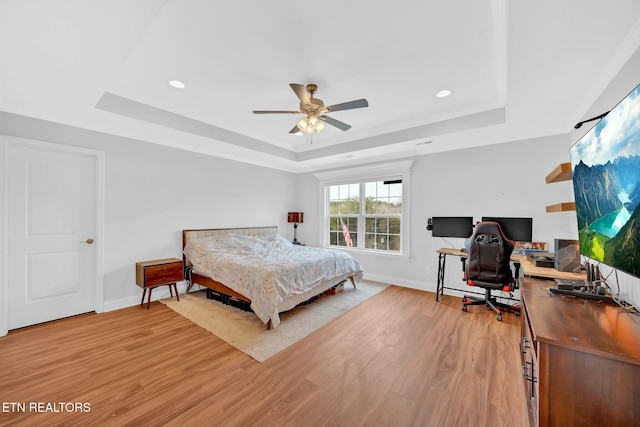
point(353, 251)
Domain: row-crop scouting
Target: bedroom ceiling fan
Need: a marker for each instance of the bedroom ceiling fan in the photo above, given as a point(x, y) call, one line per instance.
point(315, 111)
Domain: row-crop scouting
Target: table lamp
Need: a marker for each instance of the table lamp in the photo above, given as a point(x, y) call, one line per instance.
point(295, 218)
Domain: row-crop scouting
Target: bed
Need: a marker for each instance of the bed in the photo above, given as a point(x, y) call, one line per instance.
point(261, 268)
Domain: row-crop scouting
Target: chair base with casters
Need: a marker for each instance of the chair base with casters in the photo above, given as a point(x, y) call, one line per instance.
point(490, 302)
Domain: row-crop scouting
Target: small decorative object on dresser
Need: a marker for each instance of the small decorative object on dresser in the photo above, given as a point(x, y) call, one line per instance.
point(150, 274)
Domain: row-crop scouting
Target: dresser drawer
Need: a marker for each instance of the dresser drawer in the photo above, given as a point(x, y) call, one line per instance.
point(155, 273)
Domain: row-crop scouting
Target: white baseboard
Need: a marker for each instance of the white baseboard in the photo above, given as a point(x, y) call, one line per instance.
point(414, 284)
point(158, 294)
point(163, 292)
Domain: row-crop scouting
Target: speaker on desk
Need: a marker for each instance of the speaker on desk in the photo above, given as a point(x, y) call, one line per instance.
point(566, 255)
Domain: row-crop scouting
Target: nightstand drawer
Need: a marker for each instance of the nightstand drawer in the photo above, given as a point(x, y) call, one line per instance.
point(160, 274)
point(155, 273)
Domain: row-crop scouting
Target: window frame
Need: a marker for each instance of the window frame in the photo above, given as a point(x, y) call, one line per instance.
point(400, 170)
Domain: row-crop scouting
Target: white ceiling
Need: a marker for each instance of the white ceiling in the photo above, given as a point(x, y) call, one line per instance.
point(518, 70)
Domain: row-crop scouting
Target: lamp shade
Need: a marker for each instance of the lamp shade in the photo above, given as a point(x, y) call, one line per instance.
point(297, 217)
point(303, 124)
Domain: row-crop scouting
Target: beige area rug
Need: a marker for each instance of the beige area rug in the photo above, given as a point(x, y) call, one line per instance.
point(244, 331)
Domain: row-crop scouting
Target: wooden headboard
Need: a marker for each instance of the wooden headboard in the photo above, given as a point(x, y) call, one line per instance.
point(210, 232)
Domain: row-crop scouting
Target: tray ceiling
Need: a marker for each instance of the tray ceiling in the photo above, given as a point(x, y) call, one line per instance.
point(517, 70)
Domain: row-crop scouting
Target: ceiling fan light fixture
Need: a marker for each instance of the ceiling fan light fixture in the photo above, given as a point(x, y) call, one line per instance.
point(315, 120)
point(311, 124)
point(303, 124)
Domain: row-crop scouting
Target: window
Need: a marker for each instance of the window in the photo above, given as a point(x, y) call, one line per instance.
point(368, 214)
point(344, 210)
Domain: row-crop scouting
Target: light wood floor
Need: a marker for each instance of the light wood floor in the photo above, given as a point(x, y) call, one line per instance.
point(399, 359)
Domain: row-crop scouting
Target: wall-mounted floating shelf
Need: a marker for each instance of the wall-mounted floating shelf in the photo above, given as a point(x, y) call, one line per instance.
point(561, 173)
point(562, 207)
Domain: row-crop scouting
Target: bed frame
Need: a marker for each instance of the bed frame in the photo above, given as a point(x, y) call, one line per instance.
point(202, 280)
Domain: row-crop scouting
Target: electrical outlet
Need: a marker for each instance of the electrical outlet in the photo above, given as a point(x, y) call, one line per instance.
point(427, 269)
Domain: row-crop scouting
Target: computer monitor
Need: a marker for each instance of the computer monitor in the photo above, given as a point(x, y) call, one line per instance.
point(452, 226)
point(516, 229)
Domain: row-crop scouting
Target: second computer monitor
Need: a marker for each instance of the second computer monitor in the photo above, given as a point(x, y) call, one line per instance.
point(452, 226)
point(516, 229)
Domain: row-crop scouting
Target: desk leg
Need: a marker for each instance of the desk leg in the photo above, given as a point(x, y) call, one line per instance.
point(440, 280)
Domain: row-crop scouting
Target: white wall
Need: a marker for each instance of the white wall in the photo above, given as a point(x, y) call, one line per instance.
point(154, 192)
point(496, 180)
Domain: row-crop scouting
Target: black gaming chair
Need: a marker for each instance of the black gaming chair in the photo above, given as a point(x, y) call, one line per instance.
point(488, 266)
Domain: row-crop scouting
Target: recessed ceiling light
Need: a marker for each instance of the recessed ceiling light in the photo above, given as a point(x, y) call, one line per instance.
point(444, 93)
point(177, 84)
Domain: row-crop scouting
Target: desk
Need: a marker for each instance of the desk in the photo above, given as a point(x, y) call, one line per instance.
point(442, 261)
point(530, 270)
point(519, 261)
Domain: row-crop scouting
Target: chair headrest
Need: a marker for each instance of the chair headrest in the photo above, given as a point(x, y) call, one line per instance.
point(490, 232)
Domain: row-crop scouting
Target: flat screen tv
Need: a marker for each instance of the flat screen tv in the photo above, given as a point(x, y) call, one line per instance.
point(606, 183)
point(516, 229)
point(452, 226)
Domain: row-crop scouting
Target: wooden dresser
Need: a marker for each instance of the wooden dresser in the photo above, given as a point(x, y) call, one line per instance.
point(580, 360)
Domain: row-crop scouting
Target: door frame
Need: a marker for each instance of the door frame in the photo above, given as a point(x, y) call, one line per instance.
point(99, 156)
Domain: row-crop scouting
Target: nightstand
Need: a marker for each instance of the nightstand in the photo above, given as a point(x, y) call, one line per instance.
point(160, 272)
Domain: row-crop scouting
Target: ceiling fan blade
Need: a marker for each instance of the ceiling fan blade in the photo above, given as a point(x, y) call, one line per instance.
point(359, 103)
point(301, 92)
point(295, 129)
point(276, 112)
point(333, 122)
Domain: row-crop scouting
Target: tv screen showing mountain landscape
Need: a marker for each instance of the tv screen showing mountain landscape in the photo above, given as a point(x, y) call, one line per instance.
point(606, 184)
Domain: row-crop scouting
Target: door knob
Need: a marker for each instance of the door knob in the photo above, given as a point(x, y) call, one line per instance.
point(88, 241)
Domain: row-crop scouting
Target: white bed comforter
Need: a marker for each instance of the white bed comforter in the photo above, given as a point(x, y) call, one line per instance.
point(268, 269)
